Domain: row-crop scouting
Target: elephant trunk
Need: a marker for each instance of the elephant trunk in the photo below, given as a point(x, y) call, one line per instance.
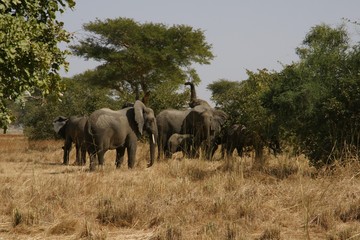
point(152, 141)
point(192, 90)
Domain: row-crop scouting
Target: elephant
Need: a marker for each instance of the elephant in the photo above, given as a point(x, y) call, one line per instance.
point(172, 121)
point(109, 129)
point(169, 121)
point(238, 137)
point(204, 124)
point(179, 142)
point(72, 130)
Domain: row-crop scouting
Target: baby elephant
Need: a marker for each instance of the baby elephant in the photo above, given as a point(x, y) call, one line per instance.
point(179, 142)
point(72, 130)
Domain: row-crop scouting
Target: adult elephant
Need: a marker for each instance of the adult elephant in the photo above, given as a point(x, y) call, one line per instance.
point(169, 122)
point(108, 129)
point(238, 137)
point(72, 130)
point(204, 124)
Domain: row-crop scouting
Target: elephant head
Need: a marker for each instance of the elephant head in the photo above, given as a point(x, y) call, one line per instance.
point(58, 125)
point(179, 142)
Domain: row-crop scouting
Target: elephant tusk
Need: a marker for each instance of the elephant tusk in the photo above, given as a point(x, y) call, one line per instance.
point(153, 138)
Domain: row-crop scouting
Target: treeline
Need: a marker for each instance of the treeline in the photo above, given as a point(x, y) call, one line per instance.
point(311, 105)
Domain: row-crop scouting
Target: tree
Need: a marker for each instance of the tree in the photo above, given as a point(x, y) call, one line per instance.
point(29, 54)
point(242, 101)
point(316, 99)
point(78, 99)
point(141, 58)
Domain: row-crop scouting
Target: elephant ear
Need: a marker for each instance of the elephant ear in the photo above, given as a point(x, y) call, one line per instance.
point(219, 119)
point(59, 123)
point(139, 108)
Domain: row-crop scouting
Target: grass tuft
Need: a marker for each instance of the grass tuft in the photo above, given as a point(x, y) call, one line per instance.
point(270, 234)
point(120, 214)
point(64, 227)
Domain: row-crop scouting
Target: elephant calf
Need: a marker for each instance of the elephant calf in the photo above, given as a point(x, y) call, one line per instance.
point(179, 142)
point(72, 130)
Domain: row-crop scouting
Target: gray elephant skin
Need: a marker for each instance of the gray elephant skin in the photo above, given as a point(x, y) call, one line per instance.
point(204, 124)
point(169, 121)
point(179, 142)
point(108, 129)
point(238, 137)
point(72, 130)
point(201, 121)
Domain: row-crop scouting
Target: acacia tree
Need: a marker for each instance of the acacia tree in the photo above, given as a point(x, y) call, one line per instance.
point(29, 54)
point(141, 58)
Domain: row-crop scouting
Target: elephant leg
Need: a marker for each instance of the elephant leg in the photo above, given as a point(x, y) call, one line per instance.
point(83, 155)
point(92, 151)
point(119, 156)
point(131, 154)
point(212, 151)
point(67, 149)
point(167, 150)
point(100, 156)
point(240, 151)
point(223, 150)
point(229, 150)
point(195, 150)
point(78, 154)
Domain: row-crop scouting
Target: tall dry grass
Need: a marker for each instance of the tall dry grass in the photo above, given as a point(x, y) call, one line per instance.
point(175, 199)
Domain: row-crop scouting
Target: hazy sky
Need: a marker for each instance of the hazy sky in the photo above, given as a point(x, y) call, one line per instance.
point(245, 34)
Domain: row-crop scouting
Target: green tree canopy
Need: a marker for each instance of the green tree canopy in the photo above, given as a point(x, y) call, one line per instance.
point(141, 58)
point(79, 99)
point(312, 104)
point(29, 54)
point(242, 101)
point(316, 99)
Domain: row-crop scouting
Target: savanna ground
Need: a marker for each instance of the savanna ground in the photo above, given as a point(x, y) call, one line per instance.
point(175, 199)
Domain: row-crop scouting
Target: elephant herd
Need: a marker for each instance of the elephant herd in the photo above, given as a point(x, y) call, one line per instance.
point(194, 131)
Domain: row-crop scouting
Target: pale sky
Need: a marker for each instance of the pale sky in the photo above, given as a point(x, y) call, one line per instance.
point(244, 34)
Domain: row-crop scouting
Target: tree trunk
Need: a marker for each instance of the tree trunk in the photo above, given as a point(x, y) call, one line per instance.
point(259, 157)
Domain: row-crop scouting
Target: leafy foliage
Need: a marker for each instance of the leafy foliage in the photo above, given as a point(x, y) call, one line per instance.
point(242, 100)
point(142, 58)
point(79, 99)
point(312, 103)
point(29, 54)
point(315, 98)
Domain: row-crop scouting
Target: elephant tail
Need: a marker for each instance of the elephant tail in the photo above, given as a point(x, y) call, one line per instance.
point(89, 135)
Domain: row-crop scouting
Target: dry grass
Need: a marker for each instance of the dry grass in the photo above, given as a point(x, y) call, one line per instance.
point(175, 199)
